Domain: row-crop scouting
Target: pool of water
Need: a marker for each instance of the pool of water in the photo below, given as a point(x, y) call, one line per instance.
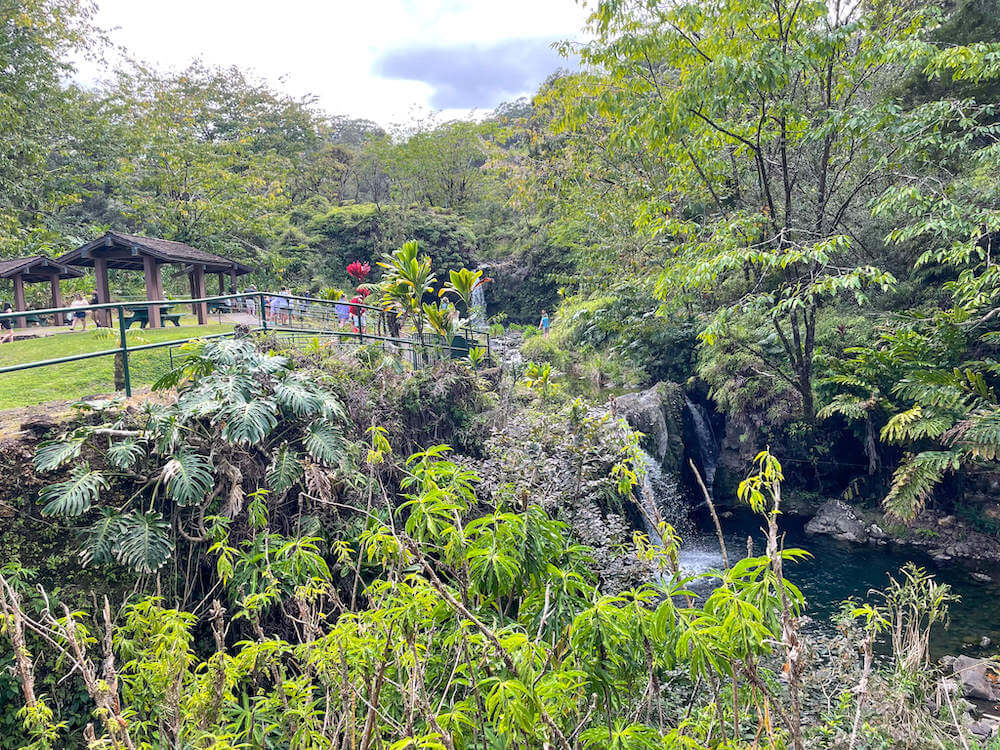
point(840, 570)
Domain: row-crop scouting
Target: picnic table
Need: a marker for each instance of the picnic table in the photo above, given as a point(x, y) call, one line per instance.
point(220, 305)
point(140, 315)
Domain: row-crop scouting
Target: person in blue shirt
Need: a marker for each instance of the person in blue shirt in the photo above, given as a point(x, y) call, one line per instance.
point(543, 325)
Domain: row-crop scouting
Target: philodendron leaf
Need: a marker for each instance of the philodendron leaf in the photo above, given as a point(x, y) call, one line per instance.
point(74, 496)
point(188, 476)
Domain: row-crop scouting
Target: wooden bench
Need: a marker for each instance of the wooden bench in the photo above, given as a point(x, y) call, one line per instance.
point(141, 316)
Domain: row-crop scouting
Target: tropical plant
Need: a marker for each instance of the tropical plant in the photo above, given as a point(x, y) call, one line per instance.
point(237, 408)
point(407, 279)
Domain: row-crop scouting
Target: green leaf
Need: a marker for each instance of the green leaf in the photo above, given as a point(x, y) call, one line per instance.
point(54, 453)
point(74, 496)
point(297, 396)
point(188, 476)
point(324, 442)
point(248, 423)
point(125, 453)
point(144, 544)
point(285, 469)
point(100, 539)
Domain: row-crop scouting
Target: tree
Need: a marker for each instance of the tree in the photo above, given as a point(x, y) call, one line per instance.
point(768, 125)
point(37, 39)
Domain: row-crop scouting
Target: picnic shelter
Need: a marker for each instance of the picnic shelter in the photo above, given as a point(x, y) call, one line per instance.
point(35, 269)
point(148, 254)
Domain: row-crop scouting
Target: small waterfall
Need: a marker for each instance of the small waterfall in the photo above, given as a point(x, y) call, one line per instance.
point(708, 442)
point(478, 311)
point(660, 498)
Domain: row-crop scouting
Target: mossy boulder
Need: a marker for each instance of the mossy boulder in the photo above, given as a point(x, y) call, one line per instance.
point(658, 413)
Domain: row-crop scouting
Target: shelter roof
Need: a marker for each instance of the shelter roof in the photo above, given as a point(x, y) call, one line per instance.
point(126, 251)
point(36, 268)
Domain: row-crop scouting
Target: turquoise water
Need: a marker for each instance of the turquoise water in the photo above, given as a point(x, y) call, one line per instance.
point(840, 570)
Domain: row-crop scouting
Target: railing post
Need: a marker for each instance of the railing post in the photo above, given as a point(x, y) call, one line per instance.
point(123, 341)
point(263, 313)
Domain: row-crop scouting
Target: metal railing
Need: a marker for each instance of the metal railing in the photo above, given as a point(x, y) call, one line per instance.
point(314, 318)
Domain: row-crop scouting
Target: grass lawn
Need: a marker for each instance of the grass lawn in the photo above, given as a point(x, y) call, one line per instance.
point(75, 380)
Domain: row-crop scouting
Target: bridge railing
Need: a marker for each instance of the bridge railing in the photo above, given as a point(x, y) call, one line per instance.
point(284, 315)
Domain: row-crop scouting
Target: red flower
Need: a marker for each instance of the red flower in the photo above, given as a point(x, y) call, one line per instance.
point(363, 291)
point(354, 309)
point(358, 270)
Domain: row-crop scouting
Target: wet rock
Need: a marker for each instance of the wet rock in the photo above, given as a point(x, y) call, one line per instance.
point(981, 577)
point(984, 728)
point(980, 677)
point(985, 642)
point(946, 522)
point(839, 520)
point(656, 413)
point(875, 532)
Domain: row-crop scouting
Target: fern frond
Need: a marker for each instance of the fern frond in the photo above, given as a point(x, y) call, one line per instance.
point(914, 481)
point(74, 496)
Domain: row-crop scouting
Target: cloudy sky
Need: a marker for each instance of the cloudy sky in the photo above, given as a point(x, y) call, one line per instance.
point(382, 59)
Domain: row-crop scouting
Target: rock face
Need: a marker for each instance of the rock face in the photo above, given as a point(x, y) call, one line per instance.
point(658, 414)
point(980, 678)
point(840, 521)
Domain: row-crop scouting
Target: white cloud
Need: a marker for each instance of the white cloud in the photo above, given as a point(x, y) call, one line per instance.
point(330, 49)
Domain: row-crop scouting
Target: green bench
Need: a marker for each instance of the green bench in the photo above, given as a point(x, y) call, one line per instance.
point(140, 315)
point(32, 320)
point(222, 306)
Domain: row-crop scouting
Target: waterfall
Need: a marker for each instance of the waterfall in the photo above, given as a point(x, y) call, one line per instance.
point(478, 311)
point(660, 498)
point(708, 442)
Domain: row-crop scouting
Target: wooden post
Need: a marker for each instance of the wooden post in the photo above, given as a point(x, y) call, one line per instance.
point(151, 269)
point(57, 299)
point(222, 284)
point(201, 308)
point(232, 280)
point(101, 284)
point(19, 303)
point(193, 291)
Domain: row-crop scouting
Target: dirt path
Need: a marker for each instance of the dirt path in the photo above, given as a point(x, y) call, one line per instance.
point(12, 421)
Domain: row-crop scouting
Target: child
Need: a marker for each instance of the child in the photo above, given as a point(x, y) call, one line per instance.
point(543, 325)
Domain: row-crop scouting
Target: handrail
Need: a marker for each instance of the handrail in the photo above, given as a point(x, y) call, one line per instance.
point(265, 326)
point(128, 305)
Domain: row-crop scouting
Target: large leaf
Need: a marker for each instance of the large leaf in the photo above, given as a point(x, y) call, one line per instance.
point(296, 395)
point(285, 470)
point(101, 538)
point(74, 496)
point(125, 453)
point(324, 442)
point(144, 544)
point(248, 423)
point(54, 453)
point(188, 476)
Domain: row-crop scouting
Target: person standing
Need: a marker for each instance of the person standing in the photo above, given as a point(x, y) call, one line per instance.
point(79, 315)
point(95, 314)
point(543, 324)
point(6, 324)
point(251, 302)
